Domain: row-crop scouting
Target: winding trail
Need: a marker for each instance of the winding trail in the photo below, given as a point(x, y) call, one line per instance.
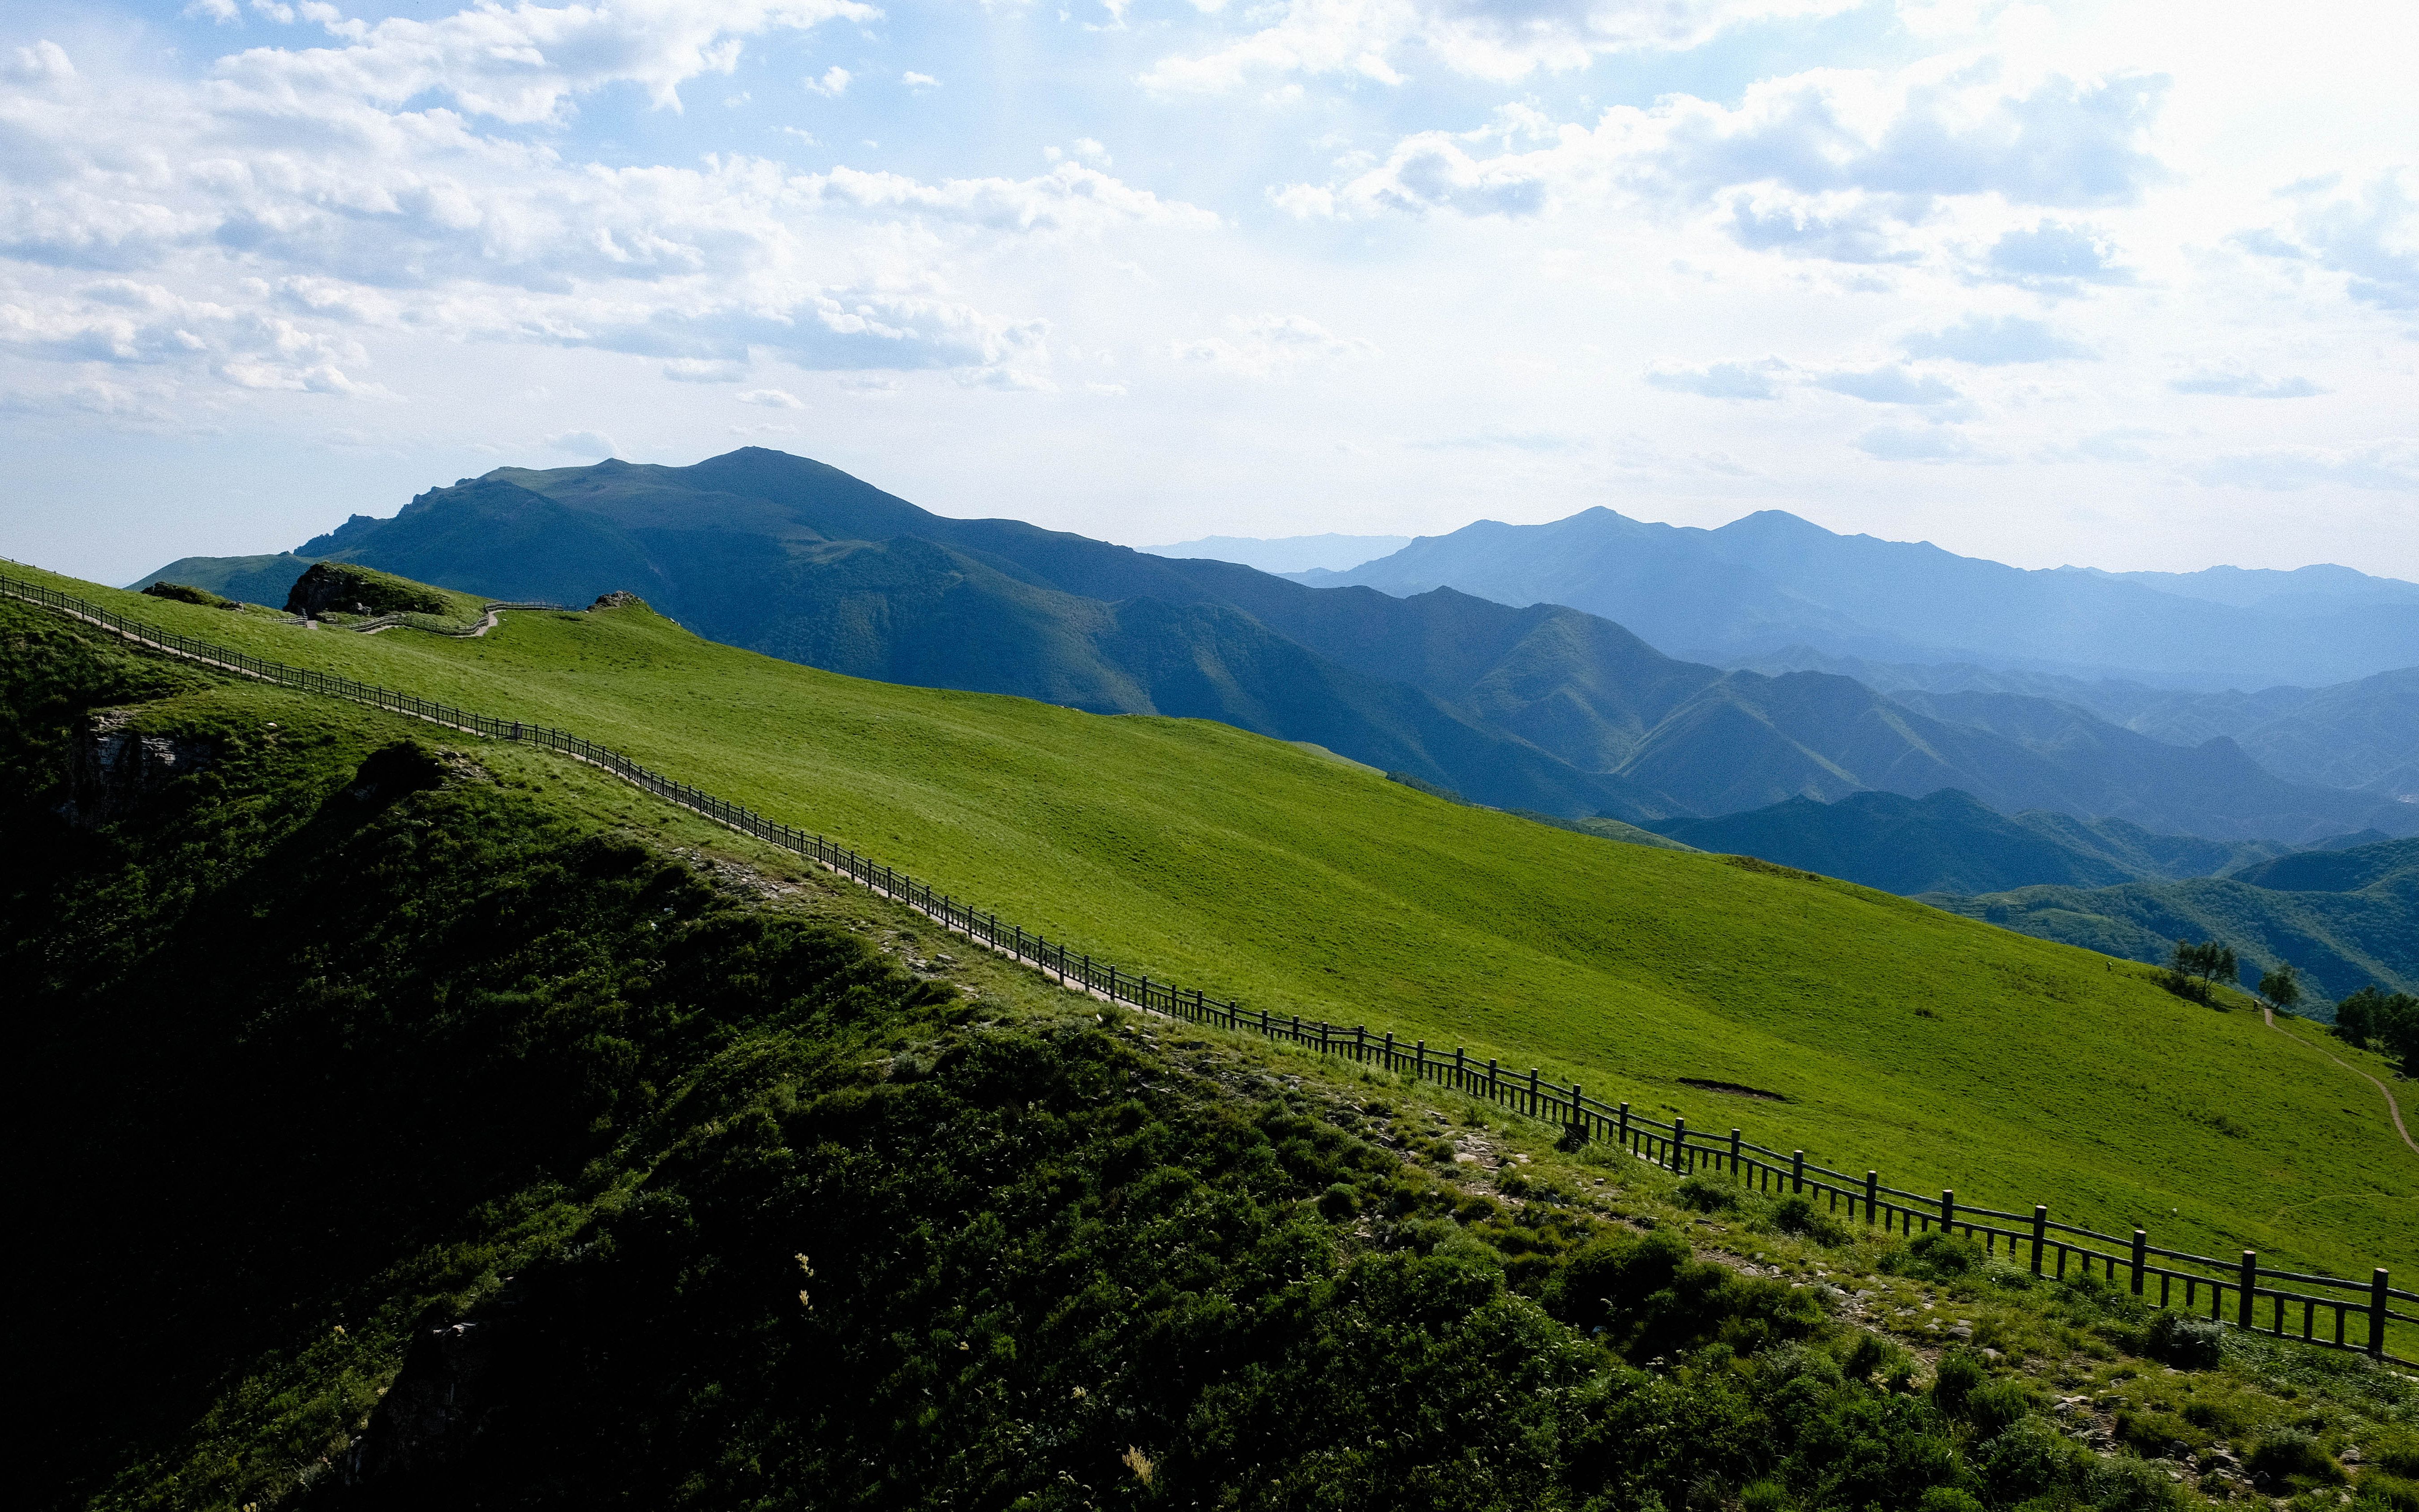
point(2269, 1014)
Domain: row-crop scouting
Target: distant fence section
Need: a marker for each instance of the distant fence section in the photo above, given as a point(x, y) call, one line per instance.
point(2322, 1310)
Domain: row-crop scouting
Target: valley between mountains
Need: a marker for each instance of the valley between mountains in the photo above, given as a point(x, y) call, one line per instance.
point(474, 1129)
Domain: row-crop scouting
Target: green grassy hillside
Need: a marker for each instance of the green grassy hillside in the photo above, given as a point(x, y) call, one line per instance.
point(1940, 1049)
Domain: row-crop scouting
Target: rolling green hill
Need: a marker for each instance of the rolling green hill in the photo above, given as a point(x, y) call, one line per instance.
point(1540, 707)
point(2344, 919)
point(1939, 1049)
point(406, 1121)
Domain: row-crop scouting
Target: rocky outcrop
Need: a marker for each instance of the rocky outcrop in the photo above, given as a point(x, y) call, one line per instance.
point(437, 1406)
point(618, 597)
point(113, 767)
point(349, 589)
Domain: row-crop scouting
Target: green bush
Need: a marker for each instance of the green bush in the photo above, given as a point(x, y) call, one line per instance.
point(2396, 1449)
point(1703, 1193)
point(1998, 1407)
point(1795, 1216)
point(1935, 1257)
point(2288, 1457)
point(2184, 1341)
point(2382, 1491)
point(1960, 1374)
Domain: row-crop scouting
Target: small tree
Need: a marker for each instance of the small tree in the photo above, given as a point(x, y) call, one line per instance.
point(2388, 1021)
point(2195, 970)
point(2281, 989)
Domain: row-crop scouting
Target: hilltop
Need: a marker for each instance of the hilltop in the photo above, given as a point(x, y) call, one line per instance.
point(1542, 708)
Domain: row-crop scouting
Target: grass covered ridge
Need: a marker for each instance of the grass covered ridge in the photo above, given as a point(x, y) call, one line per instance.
point(1940, 1050)
point(746, 1189)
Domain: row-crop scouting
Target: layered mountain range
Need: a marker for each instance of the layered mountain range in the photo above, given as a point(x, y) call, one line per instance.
point(1773, 581)
point(1544, 707)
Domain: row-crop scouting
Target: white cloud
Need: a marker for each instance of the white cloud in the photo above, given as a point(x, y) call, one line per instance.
point(1890, 385)
point(2242, 385)
point(1832, 166)
point(1272, 346)
point(2390, 466)
point(1991, 341)
point(221, 11)
point(2373, 239)
point(918, 81)
point(771, 399)
point(524, 63)
point(2052, 257)
point(45, 62)
point(704, 370)
point(1372, 38)
point(1723, 380)
point(1902, 444)
point(833, 82)
point(583, 443)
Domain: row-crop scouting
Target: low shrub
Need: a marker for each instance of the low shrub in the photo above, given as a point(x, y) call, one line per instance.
point(1947, 1499)
point(1998, 1407)
point(1795, 1216)
point(2382, 1492)
point(2288, 1457)
point(1961, 1373)
point(2221, 1417)
point(2155, 1433)
point(1702, 1194)
point(1935, 1257)
point(2396, 1449)
point(2186, 1342)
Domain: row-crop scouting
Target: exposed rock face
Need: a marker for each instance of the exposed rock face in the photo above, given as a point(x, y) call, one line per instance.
point(437, 1405)
point(332, 585)
point(113, 767)
point(618, 597)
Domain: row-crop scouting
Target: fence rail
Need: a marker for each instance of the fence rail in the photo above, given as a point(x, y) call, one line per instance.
point(2338, 1313)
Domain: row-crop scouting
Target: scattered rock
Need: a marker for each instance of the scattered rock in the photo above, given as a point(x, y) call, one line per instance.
point(618, 597)
point(113, 767)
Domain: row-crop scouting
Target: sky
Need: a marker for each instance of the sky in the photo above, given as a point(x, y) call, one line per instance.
point(2127, 286)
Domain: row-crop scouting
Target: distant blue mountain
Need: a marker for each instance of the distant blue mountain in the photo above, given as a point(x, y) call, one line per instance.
point(1773, 581)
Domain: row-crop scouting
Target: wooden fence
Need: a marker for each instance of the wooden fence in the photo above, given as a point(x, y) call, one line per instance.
point(2327, 1311)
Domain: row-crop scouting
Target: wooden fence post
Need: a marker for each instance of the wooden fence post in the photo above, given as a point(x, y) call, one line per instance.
point(1460, 1070)
point(1579, 1117)
point(1494, 1087)
point(1796, 1173)
point(1679, 1139)
point(2040, 1233)
point(2377, 1314)
point(1624, 1127)
point(1872, 1194)
point(1735, 1154)
point(1420, 1061)
point(1390, 1052)
point(2141, 1242)
point(1947, 1210)
point(2248, 1286)
point(1534, 1107)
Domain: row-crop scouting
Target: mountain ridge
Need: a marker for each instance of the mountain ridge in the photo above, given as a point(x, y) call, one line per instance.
point(1546, 708)
point(1770, 579)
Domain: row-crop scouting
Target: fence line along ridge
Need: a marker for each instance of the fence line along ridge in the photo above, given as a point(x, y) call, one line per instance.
point(2237, 1291)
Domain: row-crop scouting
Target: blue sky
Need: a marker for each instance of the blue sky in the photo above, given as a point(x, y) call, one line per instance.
point(2044, 282)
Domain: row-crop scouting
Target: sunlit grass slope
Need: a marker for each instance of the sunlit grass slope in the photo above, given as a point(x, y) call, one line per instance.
point(1941, 1050)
